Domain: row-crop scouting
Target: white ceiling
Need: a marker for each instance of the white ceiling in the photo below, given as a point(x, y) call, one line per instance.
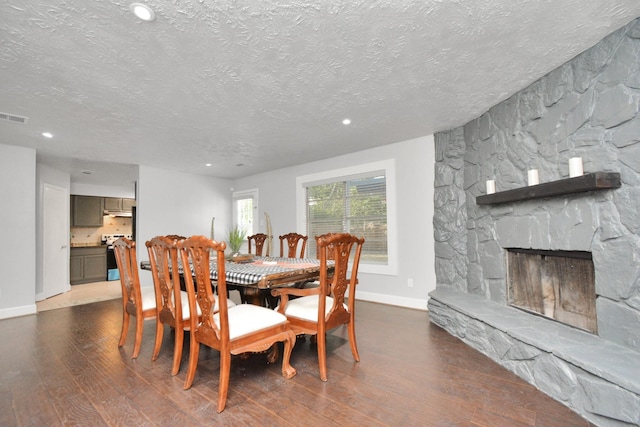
point(256, 85)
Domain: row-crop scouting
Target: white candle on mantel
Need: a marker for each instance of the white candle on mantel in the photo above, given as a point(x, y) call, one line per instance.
point(491, 186)
point(532, 177)
point(575, 167)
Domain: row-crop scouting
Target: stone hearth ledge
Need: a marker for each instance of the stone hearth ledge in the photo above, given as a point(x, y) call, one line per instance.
point(612, 362)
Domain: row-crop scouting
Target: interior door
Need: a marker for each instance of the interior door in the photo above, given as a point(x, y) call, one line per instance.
point(55, 241)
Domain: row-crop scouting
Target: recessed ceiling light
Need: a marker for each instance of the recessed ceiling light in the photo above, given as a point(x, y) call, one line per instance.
point(87, 172)
point(346, 122)
point(47, 134)
point(142, 11)
point(208, 165)
point(239, 164)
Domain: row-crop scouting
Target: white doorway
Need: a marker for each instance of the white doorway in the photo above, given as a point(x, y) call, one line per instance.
point(245, 211)
point(55, 241)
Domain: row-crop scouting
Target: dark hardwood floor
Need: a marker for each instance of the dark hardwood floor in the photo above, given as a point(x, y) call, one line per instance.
point(63, 367)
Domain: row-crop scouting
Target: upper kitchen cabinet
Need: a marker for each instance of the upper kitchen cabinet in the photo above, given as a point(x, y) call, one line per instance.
point(112, 204)
point(86, 211)
point(128, 204)
point(117, 205)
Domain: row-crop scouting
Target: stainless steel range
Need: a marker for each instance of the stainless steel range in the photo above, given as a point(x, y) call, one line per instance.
point(109, 239)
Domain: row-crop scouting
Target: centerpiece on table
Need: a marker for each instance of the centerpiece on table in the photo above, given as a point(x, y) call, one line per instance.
point(235, 240)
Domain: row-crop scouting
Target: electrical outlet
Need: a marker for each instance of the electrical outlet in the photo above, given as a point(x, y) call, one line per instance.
point(410, 283)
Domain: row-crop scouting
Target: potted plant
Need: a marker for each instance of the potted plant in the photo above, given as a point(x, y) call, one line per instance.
point(236, 239)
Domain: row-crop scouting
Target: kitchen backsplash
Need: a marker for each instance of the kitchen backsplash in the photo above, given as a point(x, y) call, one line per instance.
point(86, 236)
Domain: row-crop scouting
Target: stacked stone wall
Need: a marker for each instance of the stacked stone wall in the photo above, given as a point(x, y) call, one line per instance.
point(588, 108)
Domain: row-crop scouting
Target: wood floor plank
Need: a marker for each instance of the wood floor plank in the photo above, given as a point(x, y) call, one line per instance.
point(63, 366)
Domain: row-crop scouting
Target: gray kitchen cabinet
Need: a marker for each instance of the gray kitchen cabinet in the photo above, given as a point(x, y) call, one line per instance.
point(87, 211)
point(112, 204)
point(127, 204)
point(116, 204)
point(88, 264)
point(76, 270)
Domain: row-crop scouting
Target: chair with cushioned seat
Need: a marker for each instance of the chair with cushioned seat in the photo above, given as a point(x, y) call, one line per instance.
point(137, 301)
point(317, 310)
point(293, 240)
point(173, 302)
point(232, 330)
point(258, 244)
point(258, 240)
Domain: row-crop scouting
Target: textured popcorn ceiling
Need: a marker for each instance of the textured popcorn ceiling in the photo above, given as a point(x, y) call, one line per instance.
point(266, 83)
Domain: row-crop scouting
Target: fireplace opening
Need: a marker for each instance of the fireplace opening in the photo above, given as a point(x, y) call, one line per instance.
point(559, 285)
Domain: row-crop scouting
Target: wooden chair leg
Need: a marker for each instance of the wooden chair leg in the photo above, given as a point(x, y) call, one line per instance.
point(138, 340)
point(322, 355)
point(125, 328)
point(288, 371)
point(158, 343)
point(194, 351)
point(352, 341)
point(223, 387)
point(177, 351)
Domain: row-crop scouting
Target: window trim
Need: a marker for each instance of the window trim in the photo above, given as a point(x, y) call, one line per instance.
point(388, 166)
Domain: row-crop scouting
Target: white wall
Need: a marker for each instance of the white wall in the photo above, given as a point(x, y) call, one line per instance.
point(414, 162)
point(18, 231)
point(170, 202)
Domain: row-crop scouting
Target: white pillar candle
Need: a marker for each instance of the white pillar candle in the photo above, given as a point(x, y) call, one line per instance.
point(532, 177)
point(575, 167)
point(491, 186)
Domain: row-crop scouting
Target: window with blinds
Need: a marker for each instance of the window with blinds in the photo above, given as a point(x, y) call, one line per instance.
point(356, 205)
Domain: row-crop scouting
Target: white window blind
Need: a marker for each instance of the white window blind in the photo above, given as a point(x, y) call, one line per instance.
point(355, 204)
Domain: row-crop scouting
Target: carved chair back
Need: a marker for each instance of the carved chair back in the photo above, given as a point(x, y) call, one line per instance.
point(258, 240)
point(293, 240)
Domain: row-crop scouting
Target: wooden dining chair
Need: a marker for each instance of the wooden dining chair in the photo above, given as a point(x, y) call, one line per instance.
point(320, 309)
point(293, 240)
point(172, 302)
point(247, 295)
point(232, 330)
point(258, 240)
point(330, 254)
point(137, 301)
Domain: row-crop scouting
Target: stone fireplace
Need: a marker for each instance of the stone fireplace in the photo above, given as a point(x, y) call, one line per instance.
point(588, 108)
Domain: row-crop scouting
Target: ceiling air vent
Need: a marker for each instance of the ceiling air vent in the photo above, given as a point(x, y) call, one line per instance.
point(13, 118)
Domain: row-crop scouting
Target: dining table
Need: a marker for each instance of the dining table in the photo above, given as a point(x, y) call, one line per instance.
point(256, 275)
point(260, 272)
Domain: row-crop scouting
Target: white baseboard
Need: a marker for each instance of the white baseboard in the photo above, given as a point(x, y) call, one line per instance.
point(7, 313)
point(418, 304)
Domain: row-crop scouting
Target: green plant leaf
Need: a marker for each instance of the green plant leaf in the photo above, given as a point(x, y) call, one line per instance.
point(236, 238)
